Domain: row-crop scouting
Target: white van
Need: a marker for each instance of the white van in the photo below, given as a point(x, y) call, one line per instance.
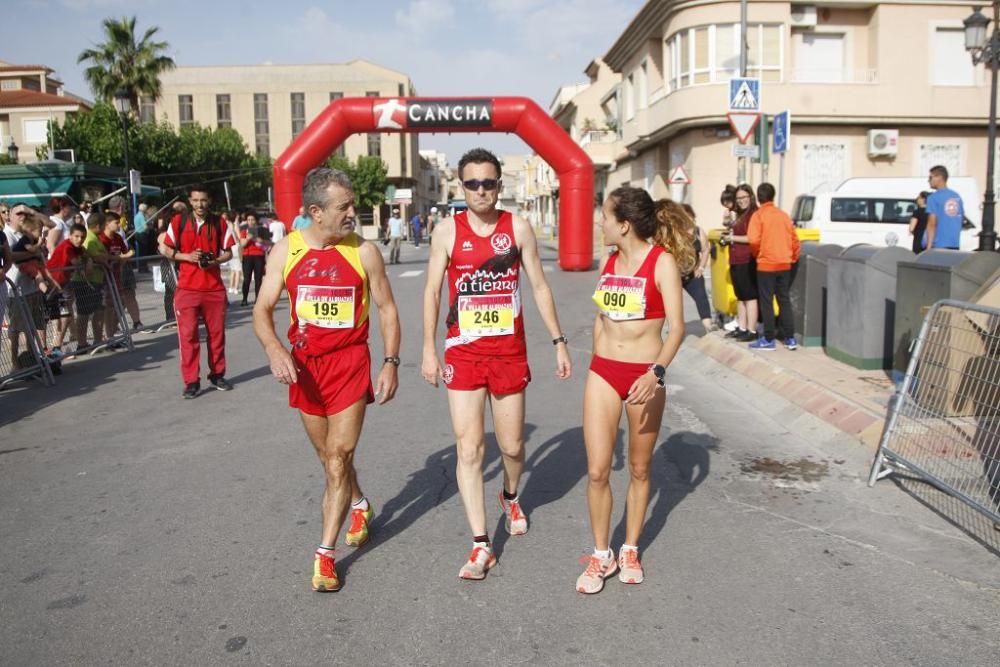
point(878, 211)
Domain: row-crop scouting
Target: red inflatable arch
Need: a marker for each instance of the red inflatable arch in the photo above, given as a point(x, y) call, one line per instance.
point(519, 115)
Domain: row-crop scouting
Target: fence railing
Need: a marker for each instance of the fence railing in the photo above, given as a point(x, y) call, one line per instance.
point(21, 354)
point(944, 424)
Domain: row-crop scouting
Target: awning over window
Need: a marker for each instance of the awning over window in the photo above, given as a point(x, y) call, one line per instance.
point(36, 191)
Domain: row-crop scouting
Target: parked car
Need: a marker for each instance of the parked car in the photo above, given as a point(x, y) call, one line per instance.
point(878, 211)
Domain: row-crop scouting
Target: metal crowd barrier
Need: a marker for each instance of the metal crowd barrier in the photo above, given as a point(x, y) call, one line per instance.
point(944, 425)
point(21, 354)
point(89, 311)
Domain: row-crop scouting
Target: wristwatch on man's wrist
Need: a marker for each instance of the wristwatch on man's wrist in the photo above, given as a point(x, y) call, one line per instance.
point(560, 339)
point(391, 360)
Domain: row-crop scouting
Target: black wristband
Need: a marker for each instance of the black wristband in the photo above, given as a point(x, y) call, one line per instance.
point(391, 360)
point(560, 339)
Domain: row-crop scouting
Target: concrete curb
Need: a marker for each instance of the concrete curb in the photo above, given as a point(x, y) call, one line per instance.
point(860, 422)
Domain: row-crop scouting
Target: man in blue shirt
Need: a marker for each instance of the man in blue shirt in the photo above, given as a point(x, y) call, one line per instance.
point(945, 213)
point(415, 225)
point(301, 221)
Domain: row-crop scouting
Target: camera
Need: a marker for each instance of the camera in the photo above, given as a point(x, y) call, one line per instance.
point(205, 259)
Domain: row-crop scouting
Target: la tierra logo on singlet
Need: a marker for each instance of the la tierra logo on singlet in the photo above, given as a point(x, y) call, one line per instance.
point(501, 243)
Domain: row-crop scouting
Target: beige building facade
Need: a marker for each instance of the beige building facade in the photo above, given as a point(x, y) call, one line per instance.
point(269, 105)
point(590, 115)
point(31, 98)
point(874, 89)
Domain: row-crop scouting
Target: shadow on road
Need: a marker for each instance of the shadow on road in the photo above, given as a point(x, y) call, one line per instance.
point(424, 490)
point(679, 465)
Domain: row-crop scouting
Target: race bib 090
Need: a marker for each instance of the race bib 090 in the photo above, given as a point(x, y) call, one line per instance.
point(621, 297)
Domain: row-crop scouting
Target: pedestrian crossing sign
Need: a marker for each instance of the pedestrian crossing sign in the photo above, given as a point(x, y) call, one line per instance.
point(744, 94)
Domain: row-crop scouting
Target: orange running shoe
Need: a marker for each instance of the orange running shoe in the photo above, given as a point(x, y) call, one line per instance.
point(598, 569)
point(630, 569)
point(516, 521)
point(480, 560)
point(357, 534)
point(325, 577)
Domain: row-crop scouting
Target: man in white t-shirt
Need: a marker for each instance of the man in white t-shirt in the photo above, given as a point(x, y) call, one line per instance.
point(62, 217)
point(277, 229)
point(395, 231)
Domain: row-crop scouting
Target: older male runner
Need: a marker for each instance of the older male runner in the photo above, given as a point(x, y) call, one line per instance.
point(481, 251)
point(330, 274)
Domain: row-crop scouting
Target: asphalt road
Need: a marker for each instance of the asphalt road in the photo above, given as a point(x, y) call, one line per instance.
point(138, 528)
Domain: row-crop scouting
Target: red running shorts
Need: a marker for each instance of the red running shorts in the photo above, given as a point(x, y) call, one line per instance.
point(332, 382)
point(499, 375)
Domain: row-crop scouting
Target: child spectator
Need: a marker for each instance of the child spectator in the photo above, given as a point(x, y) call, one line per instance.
point(88, 285)
point(122, 276)
point(66, 257)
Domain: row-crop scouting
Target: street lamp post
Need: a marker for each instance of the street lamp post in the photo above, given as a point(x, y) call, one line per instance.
point(987, 51)
point(123, 103)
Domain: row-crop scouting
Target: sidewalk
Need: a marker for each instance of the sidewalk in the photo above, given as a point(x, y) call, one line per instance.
point(852, 400)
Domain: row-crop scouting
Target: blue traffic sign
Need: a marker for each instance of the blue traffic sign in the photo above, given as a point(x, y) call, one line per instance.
point(782, 131)
point(744, 95)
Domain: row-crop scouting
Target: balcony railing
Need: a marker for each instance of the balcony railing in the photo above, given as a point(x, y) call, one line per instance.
point(598, 137)
point(833, 75)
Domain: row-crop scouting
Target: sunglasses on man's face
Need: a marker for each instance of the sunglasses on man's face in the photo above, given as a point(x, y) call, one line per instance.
point(485, 184)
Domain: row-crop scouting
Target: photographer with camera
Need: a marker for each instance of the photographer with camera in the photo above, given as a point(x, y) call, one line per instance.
point(255, 241)
point(199, 243)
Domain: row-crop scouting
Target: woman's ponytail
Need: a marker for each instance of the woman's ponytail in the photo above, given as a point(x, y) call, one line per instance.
point(673, 232)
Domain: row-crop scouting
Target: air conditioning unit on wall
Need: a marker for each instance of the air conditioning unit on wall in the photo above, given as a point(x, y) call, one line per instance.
point(803, 16)
point(883, 143)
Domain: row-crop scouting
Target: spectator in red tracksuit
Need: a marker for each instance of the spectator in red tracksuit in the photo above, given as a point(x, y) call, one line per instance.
point(200, 243)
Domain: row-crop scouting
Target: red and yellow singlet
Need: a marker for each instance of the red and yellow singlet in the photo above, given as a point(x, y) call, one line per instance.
point(328, 291)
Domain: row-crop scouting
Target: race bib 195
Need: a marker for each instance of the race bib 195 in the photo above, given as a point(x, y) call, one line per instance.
point(325, 306)
point(486, 315)
point(621, 297)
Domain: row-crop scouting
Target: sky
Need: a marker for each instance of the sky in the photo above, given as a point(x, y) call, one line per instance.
point(447, 47)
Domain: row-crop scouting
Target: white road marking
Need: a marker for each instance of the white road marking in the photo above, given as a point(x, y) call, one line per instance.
point(410, 274)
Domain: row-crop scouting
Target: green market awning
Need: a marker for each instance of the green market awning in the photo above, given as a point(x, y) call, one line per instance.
point(34, 191)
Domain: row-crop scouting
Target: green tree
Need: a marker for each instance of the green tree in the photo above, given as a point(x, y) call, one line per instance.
point(368, 176)
point(123, 63)
point(167, 158)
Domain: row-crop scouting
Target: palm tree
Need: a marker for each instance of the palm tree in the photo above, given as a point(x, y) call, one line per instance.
point(123, 64)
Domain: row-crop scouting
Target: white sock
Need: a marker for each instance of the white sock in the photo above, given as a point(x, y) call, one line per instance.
point(361, 504)
point(324, 551)
point(628, 547)
point(603, 555)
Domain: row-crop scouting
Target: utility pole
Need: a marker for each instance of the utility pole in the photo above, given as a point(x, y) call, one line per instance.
point(741, 169)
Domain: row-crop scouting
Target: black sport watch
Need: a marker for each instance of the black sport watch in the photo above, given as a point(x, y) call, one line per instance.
point(560, 339)
point(660, 372)
point(391, 360)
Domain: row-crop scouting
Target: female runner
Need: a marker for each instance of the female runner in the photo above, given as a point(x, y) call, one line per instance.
point(639, 287)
